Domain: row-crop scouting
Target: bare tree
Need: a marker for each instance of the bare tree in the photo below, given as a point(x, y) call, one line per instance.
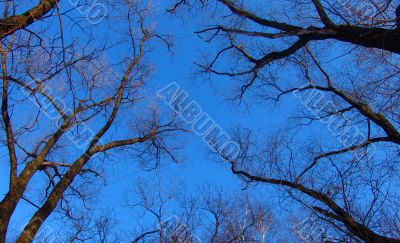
point(339, 61)
point(212, 216)
point(89, 228)
point(61, 100)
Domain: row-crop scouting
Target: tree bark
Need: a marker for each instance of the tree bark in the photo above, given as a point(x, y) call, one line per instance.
point(13, 23)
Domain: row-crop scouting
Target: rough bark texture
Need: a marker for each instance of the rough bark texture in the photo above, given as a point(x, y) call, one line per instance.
point(13, 23)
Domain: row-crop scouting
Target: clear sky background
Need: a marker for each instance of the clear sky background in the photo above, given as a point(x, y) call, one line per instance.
point(198, 169)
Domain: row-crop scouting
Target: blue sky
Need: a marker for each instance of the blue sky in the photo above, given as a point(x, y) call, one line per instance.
point(198, 169)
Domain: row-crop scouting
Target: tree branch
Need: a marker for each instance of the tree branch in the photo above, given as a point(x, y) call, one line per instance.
point(13, 23)
point(322, 14)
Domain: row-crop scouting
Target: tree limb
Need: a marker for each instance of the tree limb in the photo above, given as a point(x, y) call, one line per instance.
point(13, 23)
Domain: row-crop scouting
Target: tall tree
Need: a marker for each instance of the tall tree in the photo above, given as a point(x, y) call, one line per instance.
point(61, 99)
point(338, 60)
